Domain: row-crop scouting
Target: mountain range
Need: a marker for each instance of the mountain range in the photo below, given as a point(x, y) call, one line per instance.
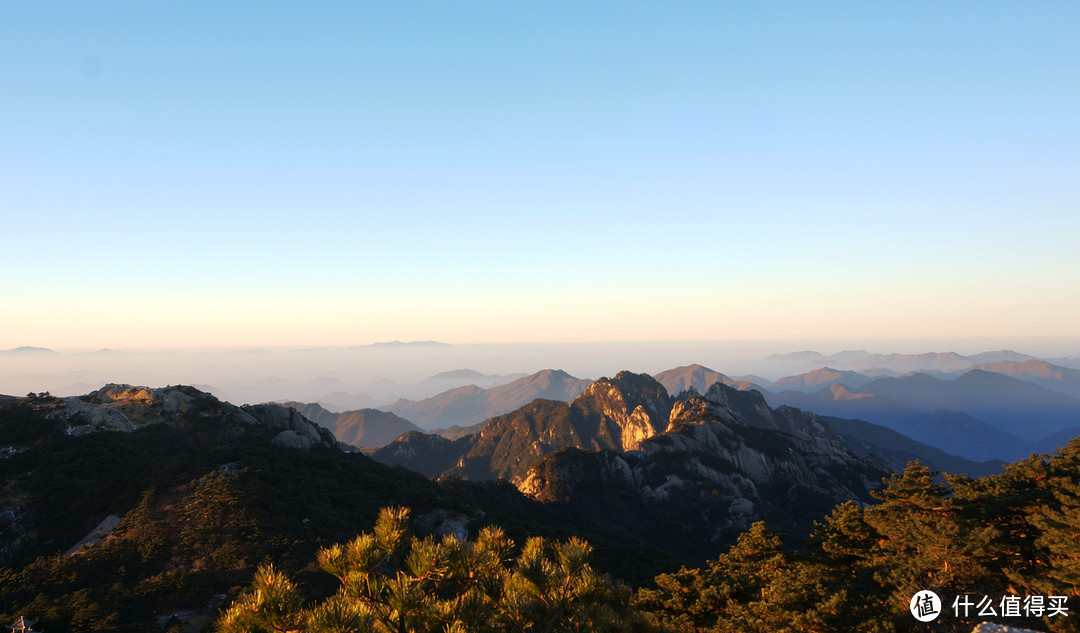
point(900, 363)
point(625, 452)
point(996, 411)
point(979, 414)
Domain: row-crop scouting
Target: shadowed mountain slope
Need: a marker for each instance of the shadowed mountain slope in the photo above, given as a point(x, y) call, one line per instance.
point(1014, 406)
point(820, 378)
point(954, 432)
point(365, 428)
point(898, 449)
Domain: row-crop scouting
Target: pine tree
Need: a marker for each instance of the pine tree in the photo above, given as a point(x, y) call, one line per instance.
point(394, 582)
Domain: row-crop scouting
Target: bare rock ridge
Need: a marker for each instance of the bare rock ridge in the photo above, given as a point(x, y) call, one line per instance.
point(625, 410)
point(119, 407)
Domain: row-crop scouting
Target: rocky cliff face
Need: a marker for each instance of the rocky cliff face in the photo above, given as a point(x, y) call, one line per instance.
point(296, 430)
point(625, 409)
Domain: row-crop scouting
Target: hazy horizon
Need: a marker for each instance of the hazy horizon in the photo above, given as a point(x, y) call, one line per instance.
point(377, 374)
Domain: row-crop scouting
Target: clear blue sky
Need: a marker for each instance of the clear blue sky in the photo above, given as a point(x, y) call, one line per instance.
point(338, 173)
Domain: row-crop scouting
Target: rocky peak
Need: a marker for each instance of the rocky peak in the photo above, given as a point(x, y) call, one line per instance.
point(296, 430)
point(626, 409)
point(748, 407)
point(122, 407)
point(692, 408)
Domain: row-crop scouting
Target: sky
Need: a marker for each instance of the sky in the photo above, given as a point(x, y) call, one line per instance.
point(285, 174)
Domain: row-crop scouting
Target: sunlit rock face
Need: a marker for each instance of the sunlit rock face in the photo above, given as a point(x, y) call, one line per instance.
point(625, 409)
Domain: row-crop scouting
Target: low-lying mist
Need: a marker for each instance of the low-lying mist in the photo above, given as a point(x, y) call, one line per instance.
point(376, 374)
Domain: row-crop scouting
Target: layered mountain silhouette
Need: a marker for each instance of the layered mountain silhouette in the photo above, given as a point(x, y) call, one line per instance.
point(1014, 406)
point(469, 405)
point(898, 449)
point(1042, 373)
point(951, 431)
point(860, 360)
point(978, 414)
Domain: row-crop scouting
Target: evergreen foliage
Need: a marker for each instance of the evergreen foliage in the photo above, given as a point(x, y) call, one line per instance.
point(393, 582)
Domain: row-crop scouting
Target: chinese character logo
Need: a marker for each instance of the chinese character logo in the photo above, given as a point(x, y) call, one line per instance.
point(925, 606)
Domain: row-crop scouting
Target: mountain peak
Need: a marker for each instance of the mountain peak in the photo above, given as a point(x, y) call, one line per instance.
point(28, 349)
point(690, 377)
point(626, 409)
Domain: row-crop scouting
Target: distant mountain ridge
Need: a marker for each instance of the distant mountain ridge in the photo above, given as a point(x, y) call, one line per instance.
point(1042, 373)
point(901, 363)
point(28, 349)
point(978, 414)
point(1011, 405)
point(469, 405)
point(824, 377)
point(699, 378)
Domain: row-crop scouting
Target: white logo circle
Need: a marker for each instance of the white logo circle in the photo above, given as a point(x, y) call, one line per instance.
point(925, 606)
